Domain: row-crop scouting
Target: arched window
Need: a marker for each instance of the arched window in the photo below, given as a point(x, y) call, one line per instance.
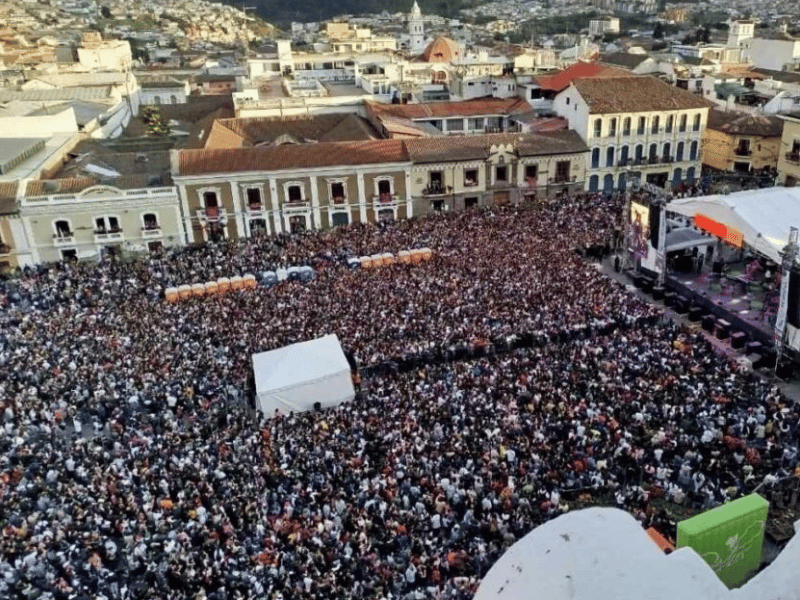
point(610, 157)
point(670, 121)
point(612, 128)
point(690, 175)
point(696, 123)
point(63, 229)
point(593, 183)
point(157, 100)
point(656, 124)
point(210, 199)
point(608, 184)
point(639, 152)
point(622, 182)
point(595, 158)
point(642, 125)
point(173, 99)
point(623, 156)
point(653, 152)
point(665, 151)
point(679, 152)
point(150, 221)
point(677, 175)
point(682, 126)
point(693, 151)
point(598, 127)
point(626, 126)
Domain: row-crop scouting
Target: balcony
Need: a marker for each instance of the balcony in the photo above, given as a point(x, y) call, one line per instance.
point(213, 214)
point(502, 184)
point(5, 249)
point(561, 179)
point(151, 231)
point(743, 152)
point(435, 189)
point(296, 206)
point(64, 239)
point(382, 201)
point(103, 236)
point(793, 157)
point(470, 183)
point(254, 209)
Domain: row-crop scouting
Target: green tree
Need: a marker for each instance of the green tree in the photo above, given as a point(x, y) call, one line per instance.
point(105, 12)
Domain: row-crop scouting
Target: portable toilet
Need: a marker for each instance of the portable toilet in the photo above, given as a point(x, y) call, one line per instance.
point(388, 258)
point(282, 274)
point(171, 294)
point(249, 281)
point(237, 283)
point(306, 274)
point(377, 260)
point(184, 291)
point(427, 253)
point(211, 288)
point(294, 273)
point(269, 278)
point(353, 263)
point(224, 285)
point(404, 256)
point(366, 262)
point(416, 256)
point(198, 289)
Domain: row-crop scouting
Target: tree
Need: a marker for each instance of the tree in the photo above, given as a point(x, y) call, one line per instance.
point(658, 32)
point(705, 35)
point(105, 12)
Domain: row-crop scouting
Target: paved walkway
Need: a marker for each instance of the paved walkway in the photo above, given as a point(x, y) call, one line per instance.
point(790, 388)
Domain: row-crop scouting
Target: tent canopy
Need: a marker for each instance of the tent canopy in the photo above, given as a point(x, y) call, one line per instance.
point(294, 378)
point(762, 216)
point(685, 238)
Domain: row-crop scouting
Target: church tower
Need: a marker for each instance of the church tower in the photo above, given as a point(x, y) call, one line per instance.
point(416, 30)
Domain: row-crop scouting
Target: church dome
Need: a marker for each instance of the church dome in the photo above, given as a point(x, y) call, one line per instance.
point(442, 49)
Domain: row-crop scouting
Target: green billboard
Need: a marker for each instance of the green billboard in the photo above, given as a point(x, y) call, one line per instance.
point(729, 537)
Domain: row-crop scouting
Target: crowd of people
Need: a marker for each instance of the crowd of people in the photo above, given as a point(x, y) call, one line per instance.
point(133, 465)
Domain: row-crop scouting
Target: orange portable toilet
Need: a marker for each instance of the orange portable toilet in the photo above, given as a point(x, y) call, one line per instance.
point(184, 292)
point(237, 283)
point(198, 289)
point(366, 262)
point(224, 285)
point(388, 258)
point(377, 260)
point(427, 253)
point(211, 288)
point(416, 256)
point(249, 281)
point(404, 256)
point(171, 294)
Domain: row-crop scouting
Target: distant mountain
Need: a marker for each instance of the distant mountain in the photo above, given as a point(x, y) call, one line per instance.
point(282, 12)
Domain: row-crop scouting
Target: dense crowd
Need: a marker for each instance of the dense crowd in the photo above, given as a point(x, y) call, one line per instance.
point(133, 465)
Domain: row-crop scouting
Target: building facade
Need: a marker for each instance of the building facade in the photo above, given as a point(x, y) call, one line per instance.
point(637, 128)
point(789, 156)
point(741, 142)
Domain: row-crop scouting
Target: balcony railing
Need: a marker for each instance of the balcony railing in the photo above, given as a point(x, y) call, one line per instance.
point(470, 182)
point(384, 201)
point(255, 208)
point(110, 235)
point(563, 179)
point(338, 201)
point(151, 231)
point(434, 189)
point(296, 206)
point(212, 214)
point(743, 152)
point(793, 157)
point(64, 239)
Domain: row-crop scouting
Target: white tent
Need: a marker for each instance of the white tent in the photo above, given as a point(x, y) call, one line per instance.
point(604, 554)
point(763, 216)
point(294, 378)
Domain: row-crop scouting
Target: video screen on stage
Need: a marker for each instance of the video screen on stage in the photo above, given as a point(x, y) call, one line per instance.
point(639, 230)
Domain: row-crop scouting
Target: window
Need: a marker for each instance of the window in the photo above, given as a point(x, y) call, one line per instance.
point(210, 200)
point(598, 127)
point(653, 152)
point(157, 100)
point(106, 225)
point(437, 205)
point(567, 100)
point(476, 124)
point(743, 148)
point(471, 202)
point(693, 151)
point(253, 198)
point(610, 157)
point(340, 218)
point(626, 126)
point(642, 125)
point(562, 171)
point(294, 193)
point(70, 255)
point(696, 123)
point(150, 221)
point(670, 121)
point(594, 181)
point(501, 174)
point(595, 157)
point(173, 99)
point(385, 190)
point(470, 177)
point(665, 152)
point(679, 152)
point(655, 124)
point(435, 183)
point(612, 129)
point(682, 126)
point(623, 156)
point(531, 171)
point(63, 229)
point(337, 192)
point(639, 152)
point(155, 247)
point(455, 124)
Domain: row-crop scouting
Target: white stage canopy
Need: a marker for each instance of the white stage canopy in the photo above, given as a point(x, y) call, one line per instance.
point(762, 216)
point(294, 378)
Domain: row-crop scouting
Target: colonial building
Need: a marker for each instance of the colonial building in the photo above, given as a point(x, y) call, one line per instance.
point(789, 157)
point(741, 142)
point(237, 192)
point(636, 127)
point(8, 214)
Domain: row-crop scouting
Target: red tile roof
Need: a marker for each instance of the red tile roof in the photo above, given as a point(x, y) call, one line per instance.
point(291, 156)
point(466, 108)
point(558, 82)
point(634, 94)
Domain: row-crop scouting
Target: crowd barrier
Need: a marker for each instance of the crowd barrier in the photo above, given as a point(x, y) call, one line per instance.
point(415, 256)
point(210, 288)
